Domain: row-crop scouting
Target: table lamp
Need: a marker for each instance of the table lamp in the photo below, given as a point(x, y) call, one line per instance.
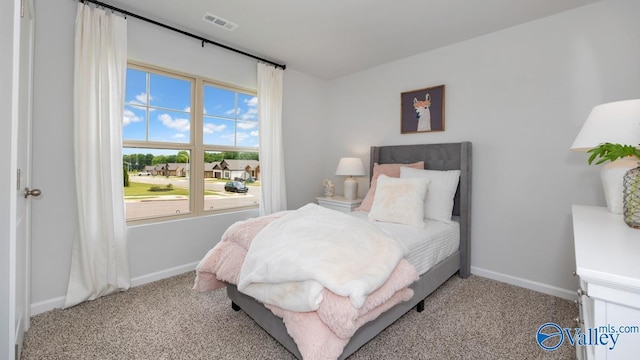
point(350, 166)
point(617, 123)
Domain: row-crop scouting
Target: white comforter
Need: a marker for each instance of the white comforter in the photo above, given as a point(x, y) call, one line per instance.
point(295, 257)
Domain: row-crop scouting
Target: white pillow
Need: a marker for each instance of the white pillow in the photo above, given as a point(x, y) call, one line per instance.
point(438, 203)
point(400, 200)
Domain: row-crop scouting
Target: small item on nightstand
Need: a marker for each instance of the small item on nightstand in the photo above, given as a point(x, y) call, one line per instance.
point(329, 188)
point(631, 197)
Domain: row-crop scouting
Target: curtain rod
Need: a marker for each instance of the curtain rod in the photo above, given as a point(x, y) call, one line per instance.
point(204, 40)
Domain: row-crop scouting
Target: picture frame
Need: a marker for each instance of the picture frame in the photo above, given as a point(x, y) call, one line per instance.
point(422, 110)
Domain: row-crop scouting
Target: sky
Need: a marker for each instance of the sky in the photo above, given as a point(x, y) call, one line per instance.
point(230, 118)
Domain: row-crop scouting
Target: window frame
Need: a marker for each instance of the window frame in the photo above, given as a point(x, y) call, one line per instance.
point(195, 146)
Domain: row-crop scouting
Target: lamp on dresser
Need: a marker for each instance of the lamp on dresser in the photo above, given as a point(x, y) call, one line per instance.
point(350, 166)
point(617, 123)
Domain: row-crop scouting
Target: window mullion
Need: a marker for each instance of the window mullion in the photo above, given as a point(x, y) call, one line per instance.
point(197, 162)
point(148, 99)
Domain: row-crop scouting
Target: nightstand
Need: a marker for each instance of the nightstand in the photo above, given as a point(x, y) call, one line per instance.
point(607, 257)
point(339, 203)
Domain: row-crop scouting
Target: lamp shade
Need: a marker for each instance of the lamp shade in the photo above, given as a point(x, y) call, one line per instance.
point(616, 122)
point(350, 166)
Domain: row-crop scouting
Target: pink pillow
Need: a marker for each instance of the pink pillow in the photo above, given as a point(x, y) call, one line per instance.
point(391, 170)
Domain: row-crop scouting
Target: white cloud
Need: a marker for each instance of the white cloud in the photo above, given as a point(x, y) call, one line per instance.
point(187, 109)
point(251, 114)
point(253, 102)
point(228, 137)
point(231, 112)
point(246, 126)
point(179, 136)
point(211, 128)
point(130, 117)
point(177, 124)
point(140, 99)
point(255, 133)
point(246, 139)
point(242, 136)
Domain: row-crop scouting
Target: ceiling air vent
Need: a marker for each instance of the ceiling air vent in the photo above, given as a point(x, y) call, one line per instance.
point(218, 21)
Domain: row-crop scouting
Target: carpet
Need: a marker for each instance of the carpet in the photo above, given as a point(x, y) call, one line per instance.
point(474, 318)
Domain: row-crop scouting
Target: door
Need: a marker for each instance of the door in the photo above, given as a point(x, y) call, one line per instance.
point(19, 301)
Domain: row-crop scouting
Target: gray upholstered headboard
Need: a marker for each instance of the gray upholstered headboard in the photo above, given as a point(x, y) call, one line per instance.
point(448, 156)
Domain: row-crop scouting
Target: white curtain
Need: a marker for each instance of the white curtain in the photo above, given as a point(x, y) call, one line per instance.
point(99, 263)
point(273, 197)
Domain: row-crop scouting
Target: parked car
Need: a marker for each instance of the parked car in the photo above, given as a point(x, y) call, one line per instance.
point(235, 186)
point(144, 173)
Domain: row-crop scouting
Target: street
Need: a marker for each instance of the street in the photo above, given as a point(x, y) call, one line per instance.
point(172, 204)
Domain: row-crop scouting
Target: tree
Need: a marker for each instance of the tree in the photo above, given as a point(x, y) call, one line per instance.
point(148, 159)
point(213, 157)
point(160, 159)
point(182, 157)
point(230, 155)
point(248, 156)
point(126, 176)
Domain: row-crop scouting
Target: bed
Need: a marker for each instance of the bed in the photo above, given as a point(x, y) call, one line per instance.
point(447, 156)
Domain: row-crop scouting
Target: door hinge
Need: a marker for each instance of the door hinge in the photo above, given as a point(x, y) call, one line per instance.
point(18, 187)
point(21, 8)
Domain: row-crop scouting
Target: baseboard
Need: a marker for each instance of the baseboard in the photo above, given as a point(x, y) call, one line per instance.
point(58, 303)
point(524, 283)
point(163, 274)
point(47, 305)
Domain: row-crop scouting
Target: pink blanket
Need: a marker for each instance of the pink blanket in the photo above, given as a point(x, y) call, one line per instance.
point(320, 334)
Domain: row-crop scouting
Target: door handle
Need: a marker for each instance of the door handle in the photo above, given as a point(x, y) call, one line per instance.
point(34, 192)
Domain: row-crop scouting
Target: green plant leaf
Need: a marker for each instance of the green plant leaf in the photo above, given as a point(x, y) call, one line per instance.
point(612, 152)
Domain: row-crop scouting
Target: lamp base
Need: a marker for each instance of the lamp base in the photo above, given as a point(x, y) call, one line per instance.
point(351, 188)
point(612, 175)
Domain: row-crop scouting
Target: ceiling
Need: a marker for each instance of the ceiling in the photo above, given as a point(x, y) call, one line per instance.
point(332, 38)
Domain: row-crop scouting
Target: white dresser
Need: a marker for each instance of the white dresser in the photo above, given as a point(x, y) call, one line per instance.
point(339, 203)
point(608, 264)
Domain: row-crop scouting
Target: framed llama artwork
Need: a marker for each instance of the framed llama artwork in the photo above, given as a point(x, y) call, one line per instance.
point(422, 110)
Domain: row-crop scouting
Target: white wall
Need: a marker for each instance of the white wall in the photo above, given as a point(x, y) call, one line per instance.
point(156, 250)
point(520, 96)
point(307, 135)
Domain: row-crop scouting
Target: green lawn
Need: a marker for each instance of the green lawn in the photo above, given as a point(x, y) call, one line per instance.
point(142, 190)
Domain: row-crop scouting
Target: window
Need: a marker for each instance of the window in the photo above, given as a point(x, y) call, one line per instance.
point(190, 145)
